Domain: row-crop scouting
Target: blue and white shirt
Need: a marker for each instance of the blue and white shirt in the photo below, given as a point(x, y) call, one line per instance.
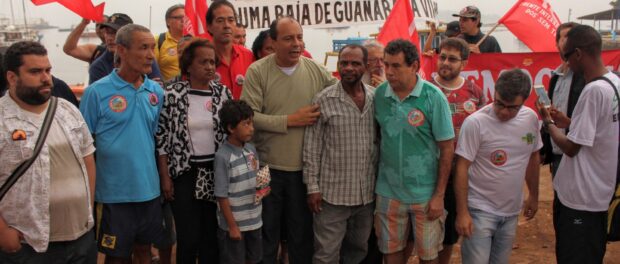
point(235, 179)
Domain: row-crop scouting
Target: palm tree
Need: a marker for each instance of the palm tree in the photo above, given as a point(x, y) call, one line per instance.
point(615, 3)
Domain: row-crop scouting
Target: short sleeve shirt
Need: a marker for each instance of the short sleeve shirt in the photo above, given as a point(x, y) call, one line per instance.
point(409, 131)
point(586, 181)
point(499, 153)
point(233, 75)
point(124, 121)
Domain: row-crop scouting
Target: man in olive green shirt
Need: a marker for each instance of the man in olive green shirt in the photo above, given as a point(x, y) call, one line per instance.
point(280, 89)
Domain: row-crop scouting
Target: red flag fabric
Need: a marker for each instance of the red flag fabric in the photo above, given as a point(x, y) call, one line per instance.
point(84, 8)
point(534, 23)
point(400, 24)
point(195, 22)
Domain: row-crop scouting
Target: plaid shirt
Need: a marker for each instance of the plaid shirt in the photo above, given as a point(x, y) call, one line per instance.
point(340, 150)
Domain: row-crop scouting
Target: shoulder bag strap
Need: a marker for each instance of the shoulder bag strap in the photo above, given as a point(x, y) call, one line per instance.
point(25, 165)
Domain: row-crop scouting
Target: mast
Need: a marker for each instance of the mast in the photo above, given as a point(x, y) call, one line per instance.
point(12, 13)
point(25, 20)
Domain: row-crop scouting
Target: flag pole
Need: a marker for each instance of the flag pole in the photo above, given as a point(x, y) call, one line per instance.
point(487, 34)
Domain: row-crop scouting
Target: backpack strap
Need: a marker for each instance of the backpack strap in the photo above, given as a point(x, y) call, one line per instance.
point(617, 97)
point(160, 40)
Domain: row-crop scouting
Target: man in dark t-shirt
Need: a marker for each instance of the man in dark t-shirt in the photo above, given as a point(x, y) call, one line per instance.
point(469, 20)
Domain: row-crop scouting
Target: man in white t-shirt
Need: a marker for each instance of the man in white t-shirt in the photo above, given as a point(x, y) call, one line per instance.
point(586, 176)
point(497, 149)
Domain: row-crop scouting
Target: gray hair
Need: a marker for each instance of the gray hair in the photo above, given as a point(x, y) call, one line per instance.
point(513, 83)
point(372, 43)
point(124, 36)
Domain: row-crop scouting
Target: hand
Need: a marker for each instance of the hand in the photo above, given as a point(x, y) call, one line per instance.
point(473, 48)
point(234, 233)
point(560, 118)
point(305, 116)
point(432, 26)
point(544, 111)
point(167, 188)
point(314, 202)
point(376, 80)
point(530, 208)
point(464, 225)
point(429, 52)
point(85, 21)
point(435, 207)
point(10, 240)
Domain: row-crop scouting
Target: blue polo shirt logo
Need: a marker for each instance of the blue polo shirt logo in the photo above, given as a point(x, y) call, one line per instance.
point(415, 118)
point(153, 99)
point(118, 103)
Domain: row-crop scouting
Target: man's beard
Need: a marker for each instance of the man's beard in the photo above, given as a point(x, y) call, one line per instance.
point(449, 76)
point(31, 95)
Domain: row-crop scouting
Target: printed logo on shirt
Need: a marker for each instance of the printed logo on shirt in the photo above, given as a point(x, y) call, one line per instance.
point(529, 138)
point(252, 162)
point(172, 52)
point(499, 157)
point(108, 241)
point(415, 118)
point(18, 135)
point(118, 103)
point(240, 79)
point(153, 99)
point(208, 105)
point(469, 106)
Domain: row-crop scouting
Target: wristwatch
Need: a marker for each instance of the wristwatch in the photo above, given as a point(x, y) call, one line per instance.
point(546, 123)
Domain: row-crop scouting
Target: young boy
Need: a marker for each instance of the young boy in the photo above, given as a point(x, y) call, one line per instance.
point(236, 165)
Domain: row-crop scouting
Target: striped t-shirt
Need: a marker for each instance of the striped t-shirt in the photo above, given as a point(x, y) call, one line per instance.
point(235, 179)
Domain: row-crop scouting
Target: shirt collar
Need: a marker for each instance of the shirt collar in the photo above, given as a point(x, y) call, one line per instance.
point(417, 90)
point(119, 83)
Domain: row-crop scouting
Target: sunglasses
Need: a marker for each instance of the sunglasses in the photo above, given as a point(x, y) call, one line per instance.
point(450, 59)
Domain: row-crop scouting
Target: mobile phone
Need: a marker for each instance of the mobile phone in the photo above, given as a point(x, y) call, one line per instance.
point(543, 98)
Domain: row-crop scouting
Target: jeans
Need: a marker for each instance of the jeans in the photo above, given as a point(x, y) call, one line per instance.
point(491, 241)
point(80, 251)
point(288, 199)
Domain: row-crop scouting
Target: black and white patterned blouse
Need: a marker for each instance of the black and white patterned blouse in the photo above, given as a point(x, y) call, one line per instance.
point(173, 137)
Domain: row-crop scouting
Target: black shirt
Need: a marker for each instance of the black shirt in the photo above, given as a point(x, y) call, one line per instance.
point(489, 45)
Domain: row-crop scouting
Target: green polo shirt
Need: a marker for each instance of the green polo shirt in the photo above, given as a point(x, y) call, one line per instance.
point(409, 131)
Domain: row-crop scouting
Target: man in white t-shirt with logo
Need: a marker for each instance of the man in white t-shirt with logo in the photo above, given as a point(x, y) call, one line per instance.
point(497, 150)
point(586, 177)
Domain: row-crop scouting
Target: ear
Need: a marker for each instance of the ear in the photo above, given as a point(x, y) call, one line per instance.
point(230, 129)
point(11, 78)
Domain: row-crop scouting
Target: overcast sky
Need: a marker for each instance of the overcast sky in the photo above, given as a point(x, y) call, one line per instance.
point(57, 15)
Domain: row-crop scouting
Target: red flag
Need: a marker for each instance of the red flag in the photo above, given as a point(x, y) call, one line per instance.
point(83, 8)
point(534, 23)
point(195, 22)
point(400, 24)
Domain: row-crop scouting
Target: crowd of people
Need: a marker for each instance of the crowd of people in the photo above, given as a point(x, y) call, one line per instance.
point(167, 143)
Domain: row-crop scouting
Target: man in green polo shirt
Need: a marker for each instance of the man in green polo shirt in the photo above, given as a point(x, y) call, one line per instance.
point(416, 155)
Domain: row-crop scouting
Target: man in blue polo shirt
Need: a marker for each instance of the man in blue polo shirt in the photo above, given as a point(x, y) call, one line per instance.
point(122, 111)
point(416, 155)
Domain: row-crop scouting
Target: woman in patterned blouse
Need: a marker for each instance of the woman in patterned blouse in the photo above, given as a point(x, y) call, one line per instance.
point(188, 136)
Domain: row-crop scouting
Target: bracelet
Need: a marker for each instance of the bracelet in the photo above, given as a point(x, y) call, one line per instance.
point(546, 123)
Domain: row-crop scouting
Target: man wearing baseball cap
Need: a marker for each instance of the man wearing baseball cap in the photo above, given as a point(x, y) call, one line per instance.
point(469, 20)
point(104, 65)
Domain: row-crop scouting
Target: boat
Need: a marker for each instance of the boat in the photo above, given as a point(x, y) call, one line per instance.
point(10, 34)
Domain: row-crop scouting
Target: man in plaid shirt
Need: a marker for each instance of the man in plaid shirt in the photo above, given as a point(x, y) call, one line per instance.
point(339, 156)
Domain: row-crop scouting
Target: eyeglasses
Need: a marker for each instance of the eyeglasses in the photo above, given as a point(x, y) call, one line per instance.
point(511, 108)
point(450, 59)
point(177, 17)
point(568, 54)
point(375, 61)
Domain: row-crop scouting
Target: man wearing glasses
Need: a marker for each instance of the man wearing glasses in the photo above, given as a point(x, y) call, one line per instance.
point(464, 98)
point(375, 70)
point(167, 42)
point(497, 149)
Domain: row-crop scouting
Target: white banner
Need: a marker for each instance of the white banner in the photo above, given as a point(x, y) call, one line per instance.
point(256, 14)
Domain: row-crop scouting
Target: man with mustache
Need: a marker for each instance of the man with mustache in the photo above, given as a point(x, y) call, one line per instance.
point(122, 112)
point(280, 88)
point(464, 98)
point(47, 214)
point(339, 155)
point(234, 59)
